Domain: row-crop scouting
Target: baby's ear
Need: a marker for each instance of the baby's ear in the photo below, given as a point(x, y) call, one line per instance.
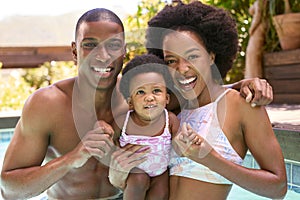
point(168, 98)
point(129, 103)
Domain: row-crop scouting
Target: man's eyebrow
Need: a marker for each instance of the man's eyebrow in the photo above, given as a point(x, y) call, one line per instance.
point(109, 39)
point(114, 39)
point(91, 39)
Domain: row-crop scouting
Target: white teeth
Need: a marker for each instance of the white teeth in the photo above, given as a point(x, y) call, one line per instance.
point(150, 106)
point(187, 81)
point(101, 70)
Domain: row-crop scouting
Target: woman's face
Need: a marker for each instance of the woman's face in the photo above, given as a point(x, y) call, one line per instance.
point(189, 62)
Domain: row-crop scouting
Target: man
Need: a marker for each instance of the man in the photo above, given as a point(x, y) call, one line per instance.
point(51, 127)
point(58, 123)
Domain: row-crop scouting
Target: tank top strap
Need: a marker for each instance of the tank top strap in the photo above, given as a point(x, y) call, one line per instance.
point(221, 95)
point(126, 122)
point(167, 119)
point(215, 104)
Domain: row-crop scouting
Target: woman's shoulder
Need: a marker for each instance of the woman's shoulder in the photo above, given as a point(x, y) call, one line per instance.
point(238, 105)
point(234, 97)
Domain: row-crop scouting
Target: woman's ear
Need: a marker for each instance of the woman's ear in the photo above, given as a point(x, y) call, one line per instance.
point(212, 57)
point(74, 52)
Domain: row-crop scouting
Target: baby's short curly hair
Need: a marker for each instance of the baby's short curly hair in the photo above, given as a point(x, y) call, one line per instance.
point(143, 64)
point(215, 27)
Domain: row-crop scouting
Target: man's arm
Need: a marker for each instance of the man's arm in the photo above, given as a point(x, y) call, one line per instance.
point(256, 91)
point(22, 175)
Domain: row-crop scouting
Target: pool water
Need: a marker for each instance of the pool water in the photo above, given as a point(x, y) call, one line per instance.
point(237, 193)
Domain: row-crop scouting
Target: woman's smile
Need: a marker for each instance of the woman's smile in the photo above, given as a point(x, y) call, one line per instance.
point(187, 83)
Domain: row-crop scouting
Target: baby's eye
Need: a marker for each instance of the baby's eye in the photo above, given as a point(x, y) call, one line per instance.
point(155, 91)
point(140, 92)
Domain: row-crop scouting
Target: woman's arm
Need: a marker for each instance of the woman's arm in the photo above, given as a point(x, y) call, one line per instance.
point(270, 179)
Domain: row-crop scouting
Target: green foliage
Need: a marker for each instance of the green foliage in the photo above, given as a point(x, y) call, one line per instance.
point(277, 7)
point(20, 84)
point(137, 24)
point(239, 10)
point(49, 73)
point(14, 91)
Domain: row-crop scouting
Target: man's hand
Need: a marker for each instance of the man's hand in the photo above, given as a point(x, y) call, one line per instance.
point(97, 142)
point(256, 91)
point(123, 160)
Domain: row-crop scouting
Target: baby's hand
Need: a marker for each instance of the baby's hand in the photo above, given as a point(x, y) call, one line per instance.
point(191, 144)
point(190, 136)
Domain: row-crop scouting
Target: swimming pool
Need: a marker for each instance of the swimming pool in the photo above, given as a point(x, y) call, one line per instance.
point(237, 193)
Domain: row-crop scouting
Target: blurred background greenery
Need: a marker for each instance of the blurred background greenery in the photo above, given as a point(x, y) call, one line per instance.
point(16, 88)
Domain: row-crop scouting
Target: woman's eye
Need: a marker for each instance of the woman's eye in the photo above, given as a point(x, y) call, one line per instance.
point(169, 62)
point(191, 57)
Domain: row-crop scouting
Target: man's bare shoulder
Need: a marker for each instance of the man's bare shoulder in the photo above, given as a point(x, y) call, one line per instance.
point(58, 91)
point(48, 99)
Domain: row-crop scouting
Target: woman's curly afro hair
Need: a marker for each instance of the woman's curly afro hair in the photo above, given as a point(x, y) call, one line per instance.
point(215, 27)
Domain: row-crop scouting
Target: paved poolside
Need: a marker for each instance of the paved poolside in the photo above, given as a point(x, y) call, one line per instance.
point(285, 116)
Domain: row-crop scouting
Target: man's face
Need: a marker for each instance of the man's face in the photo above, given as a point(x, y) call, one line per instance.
point(100, 51)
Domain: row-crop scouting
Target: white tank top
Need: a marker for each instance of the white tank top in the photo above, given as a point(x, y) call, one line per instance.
point(204, 121)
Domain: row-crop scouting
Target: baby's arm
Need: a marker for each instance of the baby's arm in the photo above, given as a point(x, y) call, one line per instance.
point(173, 124)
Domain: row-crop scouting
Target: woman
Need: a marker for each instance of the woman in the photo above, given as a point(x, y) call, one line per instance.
point(196, 41)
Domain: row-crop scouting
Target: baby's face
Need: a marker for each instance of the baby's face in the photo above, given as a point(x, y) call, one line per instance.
point(148, 95)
